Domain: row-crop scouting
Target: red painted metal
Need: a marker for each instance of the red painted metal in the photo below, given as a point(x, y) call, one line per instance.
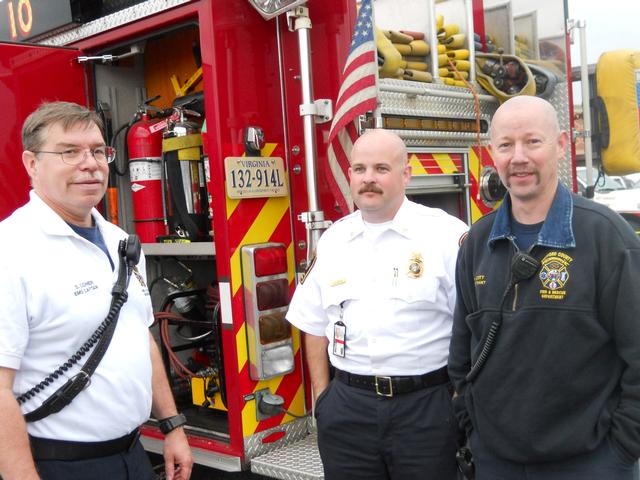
point(133, 31)
point(330, 38)
point(197, 442)
point(30, 75)
point(478, 18)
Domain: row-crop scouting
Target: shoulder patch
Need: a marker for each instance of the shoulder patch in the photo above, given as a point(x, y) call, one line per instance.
point(308, 270)
point(462, 238)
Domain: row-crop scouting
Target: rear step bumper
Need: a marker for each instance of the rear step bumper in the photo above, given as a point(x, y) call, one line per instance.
point(297, 461)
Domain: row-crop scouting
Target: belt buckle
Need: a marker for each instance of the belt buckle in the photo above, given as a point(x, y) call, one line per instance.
point(387, 384)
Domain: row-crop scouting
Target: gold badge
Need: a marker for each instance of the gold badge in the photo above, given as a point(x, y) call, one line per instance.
point(416, 265)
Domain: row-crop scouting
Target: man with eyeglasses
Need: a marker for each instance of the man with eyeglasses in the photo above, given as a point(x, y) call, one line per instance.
point(55, 290)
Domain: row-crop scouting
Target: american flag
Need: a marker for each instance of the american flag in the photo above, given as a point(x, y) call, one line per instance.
point(357, 96)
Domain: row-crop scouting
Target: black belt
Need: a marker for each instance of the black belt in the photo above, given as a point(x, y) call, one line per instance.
point(390, 386)
point(47, 449)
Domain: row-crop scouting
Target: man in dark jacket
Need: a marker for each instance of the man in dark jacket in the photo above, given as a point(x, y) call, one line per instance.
point(545, 353)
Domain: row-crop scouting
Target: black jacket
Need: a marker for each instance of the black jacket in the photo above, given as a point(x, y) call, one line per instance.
point(564, 373)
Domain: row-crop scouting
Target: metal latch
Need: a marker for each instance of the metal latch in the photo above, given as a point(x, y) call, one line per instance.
point(314, 220)
point(99, 58)
point(575, 134)
point(135, 49)
point(298, 18)
point(322, 109)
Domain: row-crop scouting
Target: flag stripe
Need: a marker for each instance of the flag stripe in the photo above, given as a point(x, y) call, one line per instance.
point(363, 58)
point(340, 150)
point(356, 105)
point(357, 95)
point(354, 88)
point(347, 136)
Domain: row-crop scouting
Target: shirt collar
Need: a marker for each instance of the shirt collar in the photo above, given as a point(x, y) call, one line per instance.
point(556, 231)
point(402, 222)
point(52, 223)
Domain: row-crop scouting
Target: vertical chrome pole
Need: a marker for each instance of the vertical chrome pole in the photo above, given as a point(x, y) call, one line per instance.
point(314, 218)
point(586, 106)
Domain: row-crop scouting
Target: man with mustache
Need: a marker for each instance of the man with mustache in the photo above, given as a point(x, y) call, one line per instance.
point(545, 354)
point(55, 290)
point(378, 301)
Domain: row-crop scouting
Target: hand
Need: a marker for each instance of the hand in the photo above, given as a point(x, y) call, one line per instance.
point(318, 392)
point(177, 452)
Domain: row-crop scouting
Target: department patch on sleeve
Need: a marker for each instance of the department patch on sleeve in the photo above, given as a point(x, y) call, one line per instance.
point(308, 270)
point(462, 238)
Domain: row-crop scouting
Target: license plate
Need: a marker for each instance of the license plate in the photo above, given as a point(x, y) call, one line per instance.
point(248, 177)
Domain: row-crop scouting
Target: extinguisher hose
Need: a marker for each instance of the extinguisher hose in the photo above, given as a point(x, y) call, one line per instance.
point(178, 201)
point(125, 150)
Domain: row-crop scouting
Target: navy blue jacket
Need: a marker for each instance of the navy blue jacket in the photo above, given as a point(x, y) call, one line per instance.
point(564, 374)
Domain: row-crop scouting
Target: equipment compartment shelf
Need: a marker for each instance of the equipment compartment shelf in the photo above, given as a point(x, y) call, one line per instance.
point(179, 249)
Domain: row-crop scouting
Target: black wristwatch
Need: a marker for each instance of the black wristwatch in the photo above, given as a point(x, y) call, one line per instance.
point(171, 423)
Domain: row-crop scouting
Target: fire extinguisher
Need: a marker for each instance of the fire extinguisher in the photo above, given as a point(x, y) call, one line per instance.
point(185, 189)
point(144, 144)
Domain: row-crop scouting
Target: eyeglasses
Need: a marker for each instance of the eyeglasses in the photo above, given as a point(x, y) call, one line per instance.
point(74, 156)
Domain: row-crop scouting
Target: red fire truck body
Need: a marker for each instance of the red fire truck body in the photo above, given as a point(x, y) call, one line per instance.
point(249, 75)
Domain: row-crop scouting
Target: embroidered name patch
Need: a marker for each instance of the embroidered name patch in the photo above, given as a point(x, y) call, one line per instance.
point(554, 275)
point(480, 280)
point(84, 287)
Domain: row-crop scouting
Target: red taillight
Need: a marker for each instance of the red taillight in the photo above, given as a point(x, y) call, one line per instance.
point(270, 261)
point(265, 279)
point(272, 294)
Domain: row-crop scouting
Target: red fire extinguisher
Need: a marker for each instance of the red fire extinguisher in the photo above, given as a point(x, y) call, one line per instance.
point(144, 142)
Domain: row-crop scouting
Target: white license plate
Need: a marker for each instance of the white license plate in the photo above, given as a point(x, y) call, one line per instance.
point(248, 177)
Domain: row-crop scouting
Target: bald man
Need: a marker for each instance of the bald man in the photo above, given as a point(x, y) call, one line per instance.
point(545, 354)
point(378, 302)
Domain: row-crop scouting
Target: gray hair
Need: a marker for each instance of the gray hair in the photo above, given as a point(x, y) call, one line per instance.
point(67, 114)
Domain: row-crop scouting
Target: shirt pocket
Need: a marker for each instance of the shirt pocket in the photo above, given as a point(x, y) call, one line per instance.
point(334, 295)
point(414, 290)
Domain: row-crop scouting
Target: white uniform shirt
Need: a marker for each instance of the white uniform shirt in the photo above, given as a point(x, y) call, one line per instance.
point(55, 289)
point(394, 289)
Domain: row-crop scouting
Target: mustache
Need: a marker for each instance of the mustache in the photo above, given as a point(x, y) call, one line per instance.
point(518, 171)
point(86, 177)
point(370, 187)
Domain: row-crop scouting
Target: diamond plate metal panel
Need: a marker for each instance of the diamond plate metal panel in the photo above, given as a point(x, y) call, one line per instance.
point(295, 430)
point(117, 19)
point(433, 102)
point(298, 461)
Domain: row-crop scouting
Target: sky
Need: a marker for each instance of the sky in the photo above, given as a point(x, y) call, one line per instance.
point(610, 25)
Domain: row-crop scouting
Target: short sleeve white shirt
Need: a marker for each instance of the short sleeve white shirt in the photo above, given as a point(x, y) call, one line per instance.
point(394, 291)
point(55, 289)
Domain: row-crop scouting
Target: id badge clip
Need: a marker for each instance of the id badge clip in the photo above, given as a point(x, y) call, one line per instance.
point(339, 335)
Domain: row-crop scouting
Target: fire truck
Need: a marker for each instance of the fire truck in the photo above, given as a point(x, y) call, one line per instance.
point(221, 112)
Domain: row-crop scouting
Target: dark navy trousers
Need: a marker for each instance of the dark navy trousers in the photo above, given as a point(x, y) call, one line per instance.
point(131, 465)
point(604, 463)
point(365, 436)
